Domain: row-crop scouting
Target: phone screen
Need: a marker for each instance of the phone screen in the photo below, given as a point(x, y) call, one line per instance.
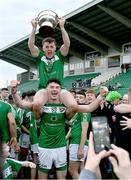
point(101, 136)
point(129, 95)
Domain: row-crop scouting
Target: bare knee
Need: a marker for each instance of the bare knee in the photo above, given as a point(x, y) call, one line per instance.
point(42, 175)
point(70, 170)
point(73, 170)
point(61, 174)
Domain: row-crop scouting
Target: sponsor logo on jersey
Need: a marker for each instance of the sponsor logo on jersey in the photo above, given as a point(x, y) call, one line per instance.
point(57, 110)
point(51, 61)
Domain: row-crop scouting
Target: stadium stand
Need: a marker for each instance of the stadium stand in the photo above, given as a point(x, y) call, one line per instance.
point(120, 82)
point(27, 86)
point(103, 77)
point(70, 80)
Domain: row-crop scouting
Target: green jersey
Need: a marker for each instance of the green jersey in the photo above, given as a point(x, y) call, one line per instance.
point(4, 126)
point(30, 123)
point(16, 116)
point(76, 128)
point(50, 68)
point(17, 120)
point(10, 165)
point(26, 119)
point(33, 129)
point(52, 126)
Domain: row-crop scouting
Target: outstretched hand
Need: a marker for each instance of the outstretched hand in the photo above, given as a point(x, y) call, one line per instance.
point(103, 91)
point(32, 165)
point(28, 164)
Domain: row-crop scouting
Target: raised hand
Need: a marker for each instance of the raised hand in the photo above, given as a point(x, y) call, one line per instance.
point(13, 85)
point(61, 22)
point(34, 23)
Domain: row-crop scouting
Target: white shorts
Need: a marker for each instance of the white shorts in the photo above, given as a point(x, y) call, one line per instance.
point(73, 149)
point(34, 148)
point(48, 157)
point(24, 140)
point(13, 154)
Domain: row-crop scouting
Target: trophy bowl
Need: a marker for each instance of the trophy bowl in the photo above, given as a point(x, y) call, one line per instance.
point(47, 21)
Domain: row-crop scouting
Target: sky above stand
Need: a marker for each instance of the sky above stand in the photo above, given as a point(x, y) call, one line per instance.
point(15, 17)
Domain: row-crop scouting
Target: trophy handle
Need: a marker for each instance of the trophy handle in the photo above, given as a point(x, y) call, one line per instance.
point(38, 18)
point(46, 13)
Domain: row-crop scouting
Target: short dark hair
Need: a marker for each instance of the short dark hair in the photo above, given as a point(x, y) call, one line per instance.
point(24, 94)
point(73, 91)
point(54, 80)
point(81, 92)
point(4, 89)
point(10, 97)
point(49, 40)
point(31, 92)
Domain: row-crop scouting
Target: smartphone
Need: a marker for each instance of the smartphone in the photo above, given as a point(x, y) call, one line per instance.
point(101, 135)
point(129, 95)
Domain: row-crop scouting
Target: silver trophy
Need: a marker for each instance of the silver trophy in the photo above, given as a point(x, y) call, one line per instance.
point(47, 21)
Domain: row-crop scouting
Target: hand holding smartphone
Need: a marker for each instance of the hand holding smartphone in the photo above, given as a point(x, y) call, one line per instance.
point(101, 136)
